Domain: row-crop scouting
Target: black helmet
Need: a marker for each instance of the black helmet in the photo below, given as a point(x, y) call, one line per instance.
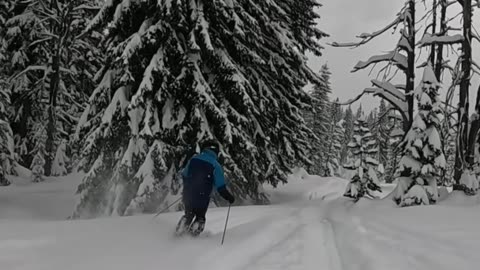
point(211, 145)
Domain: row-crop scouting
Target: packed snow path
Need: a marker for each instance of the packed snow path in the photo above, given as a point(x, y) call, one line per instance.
point(308, 226)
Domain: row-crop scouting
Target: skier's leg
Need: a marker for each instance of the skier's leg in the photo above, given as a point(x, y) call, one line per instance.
point(185, 221)
point(199, 224)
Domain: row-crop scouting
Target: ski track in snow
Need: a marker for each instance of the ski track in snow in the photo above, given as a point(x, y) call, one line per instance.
point(297, 239)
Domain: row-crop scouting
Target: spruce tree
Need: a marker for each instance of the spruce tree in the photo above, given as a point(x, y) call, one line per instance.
point(423, 160)
point(383, 133)
point(334, 147)
point(6, 136)
point(395, 137)
point(359, 114)
point(181, 72)
point(319, 121)
point(348, 125)
point(51, 70)
point(364, 151)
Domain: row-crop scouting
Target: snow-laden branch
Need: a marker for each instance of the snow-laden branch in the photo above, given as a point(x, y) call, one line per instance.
point(398, 103)
point(86, 7)
point(390, 88)
point(367, 37)
point(397, 58)
point(39, 41)
point(28, 69)
point(429, 40)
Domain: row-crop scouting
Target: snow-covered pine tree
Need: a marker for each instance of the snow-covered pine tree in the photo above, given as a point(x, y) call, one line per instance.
point(372, 119)
point(449, 132)
point(348, 125)
point(332, 154)
point(423, 160)
point(382, 128)
point(395, 136)
point(319, 121)
point(6, 136)
point(364, 151)
point(360, 114)
point(49, 65)
point(333, 141)
point(181, 72)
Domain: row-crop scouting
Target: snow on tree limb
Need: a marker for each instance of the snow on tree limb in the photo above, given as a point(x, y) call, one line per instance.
point(28, 69)
point(101, 16)
point(390, 88)
point(367, 37)
point(86, 7)
point(429, 39)
point(397, 58)
point(398, 102)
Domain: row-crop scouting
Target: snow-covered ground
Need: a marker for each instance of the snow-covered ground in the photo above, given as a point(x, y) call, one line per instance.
point(308, 226)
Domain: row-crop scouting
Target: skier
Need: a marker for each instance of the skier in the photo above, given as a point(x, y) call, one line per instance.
point(200, 175)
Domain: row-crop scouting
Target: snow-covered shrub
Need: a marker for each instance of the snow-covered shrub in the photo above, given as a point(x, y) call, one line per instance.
point(37, 168)
point(59, 166)
point(469, 182)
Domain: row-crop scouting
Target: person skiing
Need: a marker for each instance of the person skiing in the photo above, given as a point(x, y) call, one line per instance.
point(200, 175)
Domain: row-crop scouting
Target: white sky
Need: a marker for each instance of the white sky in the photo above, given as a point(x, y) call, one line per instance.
point(344, 20)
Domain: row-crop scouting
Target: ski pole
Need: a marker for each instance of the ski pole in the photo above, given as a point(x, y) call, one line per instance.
point(166, 208)
point(226, 222)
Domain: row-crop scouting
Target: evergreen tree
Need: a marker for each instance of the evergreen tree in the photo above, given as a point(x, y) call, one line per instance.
point(181, 72)
point(448, 137)
point(334, 147)
point(395, 136)
point(348, 125)
point(359, 112)
point(383, 133)
point(6, 138)
point(320, 122)
point(51, 68)
point(423, 159)
point(364, 150)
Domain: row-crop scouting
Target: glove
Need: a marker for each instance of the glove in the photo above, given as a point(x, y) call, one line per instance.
point(226, 195)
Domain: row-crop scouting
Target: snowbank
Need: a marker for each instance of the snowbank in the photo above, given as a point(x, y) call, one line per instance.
point(49, 200)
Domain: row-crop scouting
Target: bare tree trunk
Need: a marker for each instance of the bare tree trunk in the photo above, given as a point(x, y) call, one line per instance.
point(51, 124)
point(463, 109)
point(411, 65)
point(443, 31)
point(473, 133)
point(434, 29)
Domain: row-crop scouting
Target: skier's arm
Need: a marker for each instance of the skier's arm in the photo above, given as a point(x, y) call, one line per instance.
point(220, 184)
point(186, 169)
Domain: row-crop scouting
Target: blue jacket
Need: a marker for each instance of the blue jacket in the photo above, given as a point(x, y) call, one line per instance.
point(200, 175)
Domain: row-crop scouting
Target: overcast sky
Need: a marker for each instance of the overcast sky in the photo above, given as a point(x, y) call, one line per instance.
point(344, 20)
